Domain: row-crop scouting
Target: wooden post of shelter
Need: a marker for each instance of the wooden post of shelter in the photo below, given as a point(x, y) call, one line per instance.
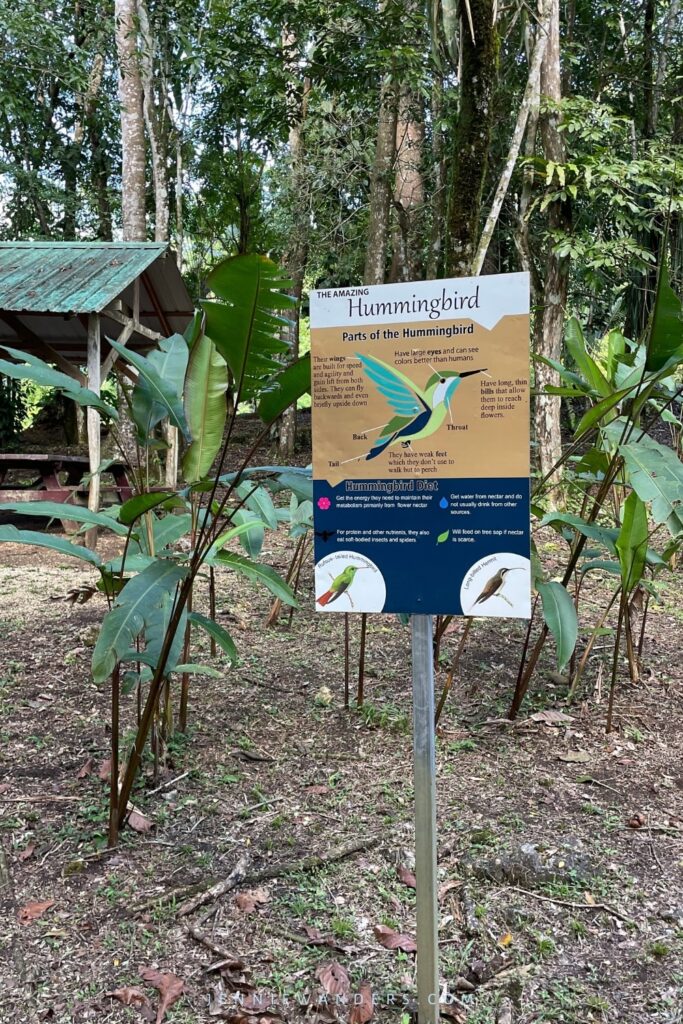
point(93, 419)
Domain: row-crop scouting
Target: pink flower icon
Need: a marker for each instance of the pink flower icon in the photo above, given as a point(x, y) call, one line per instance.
point(324, 504)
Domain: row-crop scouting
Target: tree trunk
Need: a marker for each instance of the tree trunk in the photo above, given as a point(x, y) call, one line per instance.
point(439, 185)
point(155, 115)
point(132, 123)
point(472, 136)
point(379, 202)
point(528, 100)
point(408, 190)
point(547, 410)
point(296, 256)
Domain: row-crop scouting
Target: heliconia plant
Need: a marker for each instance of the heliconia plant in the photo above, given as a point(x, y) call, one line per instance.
point(621, 478)
point(231, 353)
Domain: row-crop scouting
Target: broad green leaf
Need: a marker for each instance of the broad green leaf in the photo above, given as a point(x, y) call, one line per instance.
point(169, 361)
point(284, 389)
point(656, 475)
point(10, 535)
point(161, 391)
point(616, 347)
point(60, 510)
point(665, 340)
point(132, 609)
point(259, 574)
point(34, 369)
point(243, 325)
point(166, 531)
point(603, 534)
point(600, 410)
point(632, 541)
point(259, 501)
point(205, 407)
point(199, 670)
point(254, 535)
point(156, 625)
point(598, 563)
point(141, 503)
point(443, 537)
point(219, 634)
point(560, 617)
point(576, 346)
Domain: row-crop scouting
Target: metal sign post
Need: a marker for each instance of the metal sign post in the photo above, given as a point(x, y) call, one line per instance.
point(425, 821)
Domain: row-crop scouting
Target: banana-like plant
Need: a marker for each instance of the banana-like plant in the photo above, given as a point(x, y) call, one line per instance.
point(620, 477)
point(231, 352)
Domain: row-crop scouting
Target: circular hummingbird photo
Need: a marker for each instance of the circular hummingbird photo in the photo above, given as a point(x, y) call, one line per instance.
point(499, 586)
point(346, 581)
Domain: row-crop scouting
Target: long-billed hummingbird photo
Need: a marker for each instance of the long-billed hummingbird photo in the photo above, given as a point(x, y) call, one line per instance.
point(339, 585)
point(495, 584)
point(419, 412)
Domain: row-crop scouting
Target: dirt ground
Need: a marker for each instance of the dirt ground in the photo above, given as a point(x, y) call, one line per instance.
point(560, 849)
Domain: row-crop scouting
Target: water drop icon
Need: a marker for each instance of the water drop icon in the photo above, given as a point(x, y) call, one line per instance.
point(443, 503)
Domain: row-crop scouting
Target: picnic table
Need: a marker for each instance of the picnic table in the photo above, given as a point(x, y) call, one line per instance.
point(58, 477)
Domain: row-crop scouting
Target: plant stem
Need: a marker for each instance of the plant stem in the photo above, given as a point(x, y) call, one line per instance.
point(346, 660)
point(615, 664)
point(589, 646)
point(212, 605)
point(451, 672)
point(114, 760)
point(361, 660)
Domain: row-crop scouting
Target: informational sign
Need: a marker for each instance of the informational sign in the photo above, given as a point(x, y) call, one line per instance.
point(421, 447)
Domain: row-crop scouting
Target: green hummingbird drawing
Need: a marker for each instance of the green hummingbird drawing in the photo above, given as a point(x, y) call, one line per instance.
point(339, 585)
point(419, 412)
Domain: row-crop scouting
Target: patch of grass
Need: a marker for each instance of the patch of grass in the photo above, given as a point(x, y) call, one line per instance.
point(342, 927)
point(386, 716)
point(578, 928)
point(545, 946)
point(461, 746)
point(659, 949)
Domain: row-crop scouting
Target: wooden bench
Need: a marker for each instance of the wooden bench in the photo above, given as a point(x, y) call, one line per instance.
point(46, 485)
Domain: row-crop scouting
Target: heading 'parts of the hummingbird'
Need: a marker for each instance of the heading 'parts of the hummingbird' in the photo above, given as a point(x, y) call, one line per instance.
point(495, 584)
point(418, 412)
point(339, 585)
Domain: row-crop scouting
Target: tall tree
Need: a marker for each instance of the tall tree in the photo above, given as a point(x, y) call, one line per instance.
point(132, 123)
point(471, 139)
point(549, 340)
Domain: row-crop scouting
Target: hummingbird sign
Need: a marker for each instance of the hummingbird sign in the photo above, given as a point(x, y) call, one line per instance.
point(421, 447)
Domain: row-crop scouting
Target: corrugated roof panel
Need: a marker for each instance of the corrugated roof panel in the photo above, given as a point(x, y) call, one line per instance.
point(70, 277)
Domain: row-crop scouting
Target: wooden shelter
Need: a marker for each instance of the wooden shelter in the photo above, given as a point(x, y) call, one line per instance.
point(61, 300)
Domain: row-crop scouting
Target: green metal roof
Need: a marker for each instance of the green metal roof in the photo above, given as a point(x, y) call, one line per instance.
point(70, 277)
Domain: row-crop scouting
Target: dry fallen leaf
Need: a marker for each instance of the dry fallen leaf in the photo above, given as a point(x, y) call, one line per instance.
point(104, 770)
point(448, 886)
point(168, 985)
point(589, 898)
point(27, 852)
point(83, 773)
point(551, 717)
point(391, 939)
point(317, 790)
point(363, 1005)
point(138, 822)
point(574, 756)
point(32, 911)
point(334, 979)
point(129, 996)
point(637, 820)
point(4, 786)
point(247, 902)
point(505, 940)
point(406, 876)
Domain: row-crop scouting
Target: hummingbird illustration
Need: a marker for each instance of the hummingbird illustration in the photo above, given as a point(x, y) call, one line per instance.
point(495, 584)
point(339, 585)
point(419, 413)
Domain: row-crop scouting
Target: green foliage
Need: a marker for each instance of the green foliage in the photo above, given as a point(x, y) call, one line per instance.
point(560, 616)
point(205, 408)
point(244, 326)
point(29, 367)
point(168, 363)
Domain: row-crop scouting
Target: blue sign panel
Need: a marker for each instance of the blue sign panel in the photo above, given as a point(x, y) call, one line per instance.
point(421, 447)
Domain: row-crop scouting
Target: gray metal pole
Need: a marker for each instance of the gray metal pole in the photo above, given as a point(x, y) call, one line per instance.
point(425, 821)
